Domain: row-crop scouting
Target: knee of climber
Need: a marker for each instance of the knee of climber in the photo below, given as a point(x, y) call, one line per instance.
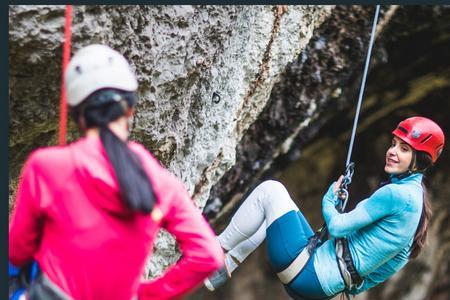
point(274, 188)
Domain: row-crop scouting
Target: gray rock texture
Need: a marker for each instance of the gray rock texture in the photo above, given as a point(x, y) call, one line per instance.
point(205, 74)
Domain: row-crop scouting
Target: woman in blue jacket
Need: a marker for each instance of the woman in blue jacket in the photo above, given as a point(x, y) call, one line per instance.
point(376, 239)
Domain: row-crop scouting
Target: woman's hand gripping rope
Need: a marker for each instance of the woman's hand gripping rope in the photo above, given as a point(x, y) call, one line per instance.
point(340, 188)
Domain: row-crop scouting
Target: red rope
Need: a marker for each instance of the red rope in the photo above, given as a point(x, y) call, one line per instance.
point(65, 61)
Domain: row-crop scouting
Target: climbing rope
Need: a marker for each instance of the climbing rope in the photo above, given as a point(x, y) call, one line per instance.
point(350, 166)
point(65, 61)
point(343, 189)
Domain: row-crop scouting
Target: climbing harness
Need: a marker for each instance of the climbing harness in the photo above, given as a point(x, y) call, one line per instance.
point(65, 62)
point(20, 279)
point(44, 289)
point(294, 269)
point(348, 271)
point(352, 279)
point(346, 266)
point(30, 279)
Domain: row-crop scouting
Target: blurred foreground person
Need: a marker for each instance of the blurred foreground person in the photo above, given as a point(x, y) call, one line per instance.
point(89, 212)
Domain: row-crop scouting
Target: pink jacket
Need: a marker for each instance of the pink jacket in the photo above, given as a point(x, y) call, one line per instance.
point(70, 218)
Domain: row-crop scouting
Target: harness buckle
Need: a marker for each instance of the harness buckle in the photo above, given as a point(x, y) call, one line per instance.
point(299, 263)
point(351, 278)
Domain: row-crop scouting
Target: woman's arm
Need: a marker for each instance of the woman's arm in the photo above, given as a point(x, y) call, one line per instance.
point(377, 206)
point(25, 226)
point(201, 253)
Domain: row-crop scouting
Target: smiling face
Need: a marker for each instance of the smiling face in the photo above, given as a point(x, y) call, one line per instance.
point(398, 157)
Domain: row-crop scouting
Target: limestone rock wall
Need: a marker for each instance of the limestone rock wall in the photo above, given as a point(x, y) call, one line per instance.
point(205, 73)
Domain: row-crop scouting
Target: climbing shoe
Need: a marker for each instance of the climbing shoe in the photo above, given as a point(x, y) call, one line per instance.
point(217, 279)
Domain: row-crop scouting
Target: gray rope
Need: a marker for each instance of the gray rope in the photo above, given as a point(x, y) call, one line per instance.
point(358, 108)
point(349, 166)
point(363, 83)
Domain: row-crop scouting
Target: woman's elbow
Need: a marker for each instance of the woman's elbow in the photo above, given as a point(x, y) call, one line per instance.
point(207, 257)
point(218, 262)
point(335, 231)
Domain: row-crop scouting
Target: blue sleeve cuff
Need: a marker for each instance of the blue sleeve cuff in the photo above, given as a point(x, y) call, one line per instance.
point(330, 197)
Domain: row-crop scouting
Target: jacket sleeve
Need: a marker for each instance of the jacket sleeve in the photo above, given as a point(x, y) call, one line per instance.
point(201, 253)
point(25, 224)
point(377, 206)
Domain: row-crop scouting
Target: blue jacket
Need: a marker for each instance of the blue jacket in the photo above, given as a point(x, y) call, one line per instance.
point(380, 232)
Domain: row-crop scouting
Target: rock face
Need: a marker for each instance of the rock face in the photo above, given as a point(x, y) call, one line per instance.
point(229, 95)
point(205, 74)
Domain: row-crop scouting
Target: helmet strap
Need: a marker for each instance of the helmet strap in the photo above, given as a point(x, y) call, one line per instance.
point(82, 121)
point(404, 174)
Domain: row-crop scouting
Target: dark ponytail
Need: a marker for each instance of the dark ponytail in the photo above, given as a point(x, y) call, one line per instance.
point(98, 110)
point(422, 162)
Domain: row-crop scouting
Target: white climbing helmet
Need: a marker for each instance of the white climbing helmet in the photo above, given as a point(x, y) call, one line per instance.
point(96, 67)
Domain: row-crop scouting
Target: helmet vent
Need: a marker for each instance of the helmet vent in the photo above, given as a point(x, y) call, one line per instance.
point(402, 129)
point(426, 139)
point(78, 69)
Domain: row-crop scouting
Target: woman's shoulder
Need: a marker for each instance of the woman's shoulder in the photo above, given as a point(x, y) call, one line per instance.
point(403, 189)
point(52, 165)
point(398, 196)
point(50, 156)
point(388, 196)
point(386, 191)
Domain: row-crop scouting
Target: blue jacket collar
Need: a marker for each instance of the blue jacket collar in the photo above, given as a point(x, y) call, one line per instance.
point(412, 177)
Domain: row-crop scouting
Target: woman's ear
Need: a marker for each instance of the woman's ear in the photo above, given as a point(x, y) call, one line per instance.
point(130, 112)
point(127, 109)
point(82, 122)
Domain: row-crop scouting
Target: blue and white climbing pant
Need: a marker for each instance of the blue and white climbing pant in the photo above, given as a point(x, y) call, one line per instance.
point(269, 212)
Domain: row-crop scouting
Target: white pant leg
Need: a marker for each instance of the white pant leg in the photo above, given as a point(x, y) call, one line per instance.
point(266, 203)
point(244, 248)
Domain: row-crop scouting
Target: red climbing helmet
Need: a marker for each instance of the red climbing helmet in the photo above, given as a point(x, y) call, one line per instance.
point(422, 134)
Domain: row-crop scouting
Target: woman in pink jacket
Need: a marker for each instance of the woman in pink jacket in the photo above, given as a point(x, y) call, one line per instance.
point(89, 212)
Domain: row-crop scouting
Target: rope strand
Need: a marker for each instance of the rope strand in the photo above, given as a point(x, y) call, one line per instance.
point(323, 231)
point(363, 84)
point(65, 61)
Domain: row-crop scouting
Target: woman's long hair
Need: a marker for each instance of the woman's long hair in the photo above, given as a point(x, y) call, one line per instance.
point(98, 110)
point(422, 162)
